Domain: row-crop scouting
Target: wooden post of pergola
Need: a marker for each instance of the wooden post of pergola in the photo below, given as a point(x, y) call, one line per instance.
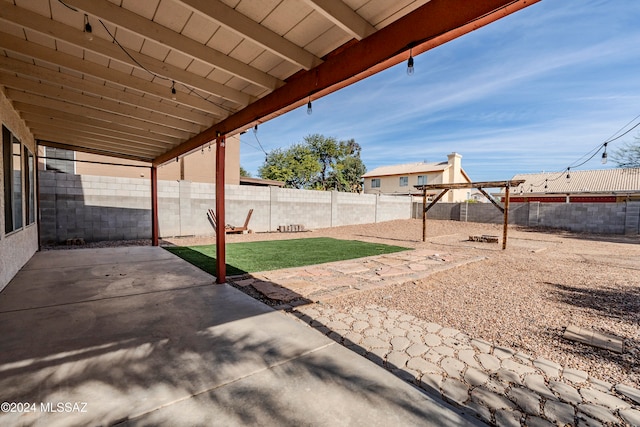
point(480, 186)
point(221, 266)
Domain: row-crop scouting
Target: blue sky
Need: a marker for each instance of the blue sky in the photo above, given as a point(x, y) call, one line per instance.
point(532, 92)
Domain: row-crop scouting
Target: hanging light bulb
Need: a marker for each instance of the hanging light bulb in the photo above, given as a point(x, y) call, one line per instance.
point(173, 90)
point(202, 150)
point(604, 154)
point(410, 68)
point(309, 108)
point(209, 145)
point(255, 129)
point(88, 31)
point(569, 173)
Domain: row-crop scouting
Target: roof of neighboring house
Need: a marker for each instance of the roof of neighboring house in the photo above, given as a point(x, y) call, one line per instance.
point(582, 181)
point(407, 168)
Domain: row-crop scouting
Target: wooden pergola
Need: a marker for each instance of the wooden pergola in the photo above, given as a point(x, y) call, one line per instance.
point(481, 185)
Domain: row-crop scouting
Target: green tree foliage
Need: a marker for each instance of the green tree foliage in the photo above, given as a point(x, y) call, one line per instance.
point(628, 156)
point(318, 163)
point(244, 172)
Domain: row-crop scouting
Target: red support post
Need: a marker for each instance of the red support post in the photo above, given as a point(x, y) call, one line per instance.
point(221, 262)
point(154, 206)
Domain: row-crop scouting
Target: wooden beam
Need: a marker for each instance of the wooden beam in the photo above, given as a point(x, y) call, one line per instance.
point(103, 104)
point(30, 100)
point(14, 66)
point(41, 122)
point(476, 184)
point(253, 31)
point(344, 17)
point(434, 19)
point(488, 196)
point(76, 139)
point(506, 218)
point(107, 48)
point(154, 206)
point(46, 115)
point(57, 144)
point(135, 23)
point(221, 261)
point(112, 75)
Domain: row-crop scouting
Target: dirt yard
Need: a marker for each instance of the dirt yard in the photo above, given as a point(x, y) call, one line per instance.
point(522, 298)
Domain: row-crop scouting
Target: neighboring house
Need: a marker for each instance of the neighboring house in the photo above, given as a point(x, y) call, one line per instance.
point(584, 186)
point(402, 179)
point(476, 196)
point(198, 166)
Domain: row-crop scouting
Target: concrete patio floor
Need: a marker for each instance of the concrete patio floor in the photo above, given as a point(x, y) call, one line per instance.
point(136, 336)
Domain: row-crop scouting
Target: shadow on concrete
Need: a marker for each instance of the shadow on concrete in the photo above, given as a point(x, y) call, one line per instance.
point(179, 351)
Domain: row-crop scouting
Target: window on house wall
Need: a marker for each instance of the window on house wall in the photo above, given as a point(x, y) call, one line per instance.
point(422, 179)
point(12, 167)
point(375, 183)
point(60, 160)
point(29, 186)
point(404, 181)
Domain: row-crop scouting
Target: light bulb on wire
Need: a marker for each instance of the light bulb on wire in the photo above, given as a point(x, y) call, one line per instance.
point(88, 31)
point(309, 107)
point(173, 90)
point(604, 154)
point(410, 68)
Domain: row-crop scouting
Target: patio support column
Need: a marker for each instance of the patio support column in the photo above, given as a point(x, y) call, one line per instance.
point(154, 206)
point(221, 265)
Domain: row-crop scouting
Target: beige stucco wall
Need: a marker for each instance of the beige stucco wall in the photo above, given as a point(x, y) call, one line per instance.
point(18, 247)
point(390, 184)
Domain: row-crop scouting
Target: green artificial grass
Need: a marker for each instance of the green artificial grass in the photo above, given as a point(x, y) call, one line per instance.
point(276, 254)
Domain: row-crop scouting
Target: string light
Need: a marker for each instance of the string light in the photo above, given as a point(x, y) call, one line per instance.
point(569, 172)
point(604, 154)
point(255, 129)
point(88, 31)
point(309, 107)
point(410, 68)
point(173, 90)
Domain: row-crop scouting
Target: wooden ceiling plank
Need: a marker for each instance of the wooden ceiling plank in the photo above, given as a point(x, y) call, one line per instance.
point(87, 129)
point(344, 17)
point(107, 105)
point(251, 30)
point(26, 98)
point(107, 48)
point(66, 80)
point(64, 130)
point(79, 141)
point(171, 39)
point(50, 114)
point(59, 59)
point(44, 142)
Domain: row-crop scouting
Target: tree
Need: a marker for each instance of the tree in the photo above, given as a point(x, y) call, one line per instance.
point(628, 156)
point(320, 163)
point(244, 172)
point(297, 167)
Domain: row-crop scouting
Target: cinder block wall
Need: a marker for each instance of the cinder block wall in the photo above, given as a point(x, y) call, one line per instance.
point(106, 208)
point(604, 218)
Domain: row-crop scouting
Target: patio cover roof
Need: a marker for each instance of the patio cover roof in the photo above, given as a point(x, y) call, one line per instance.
point(153, 80)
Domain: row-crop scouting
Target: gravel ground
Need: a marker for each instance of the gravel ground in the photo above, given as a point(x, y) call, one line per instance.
point(521, 298)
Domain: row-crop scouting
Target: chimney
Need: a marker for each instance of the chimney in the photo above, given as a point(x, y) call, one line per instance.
point(455, 168)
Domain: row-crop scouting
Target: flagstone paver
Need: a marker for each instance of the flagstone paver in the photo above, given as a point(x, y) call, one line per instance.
point(497, 384)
